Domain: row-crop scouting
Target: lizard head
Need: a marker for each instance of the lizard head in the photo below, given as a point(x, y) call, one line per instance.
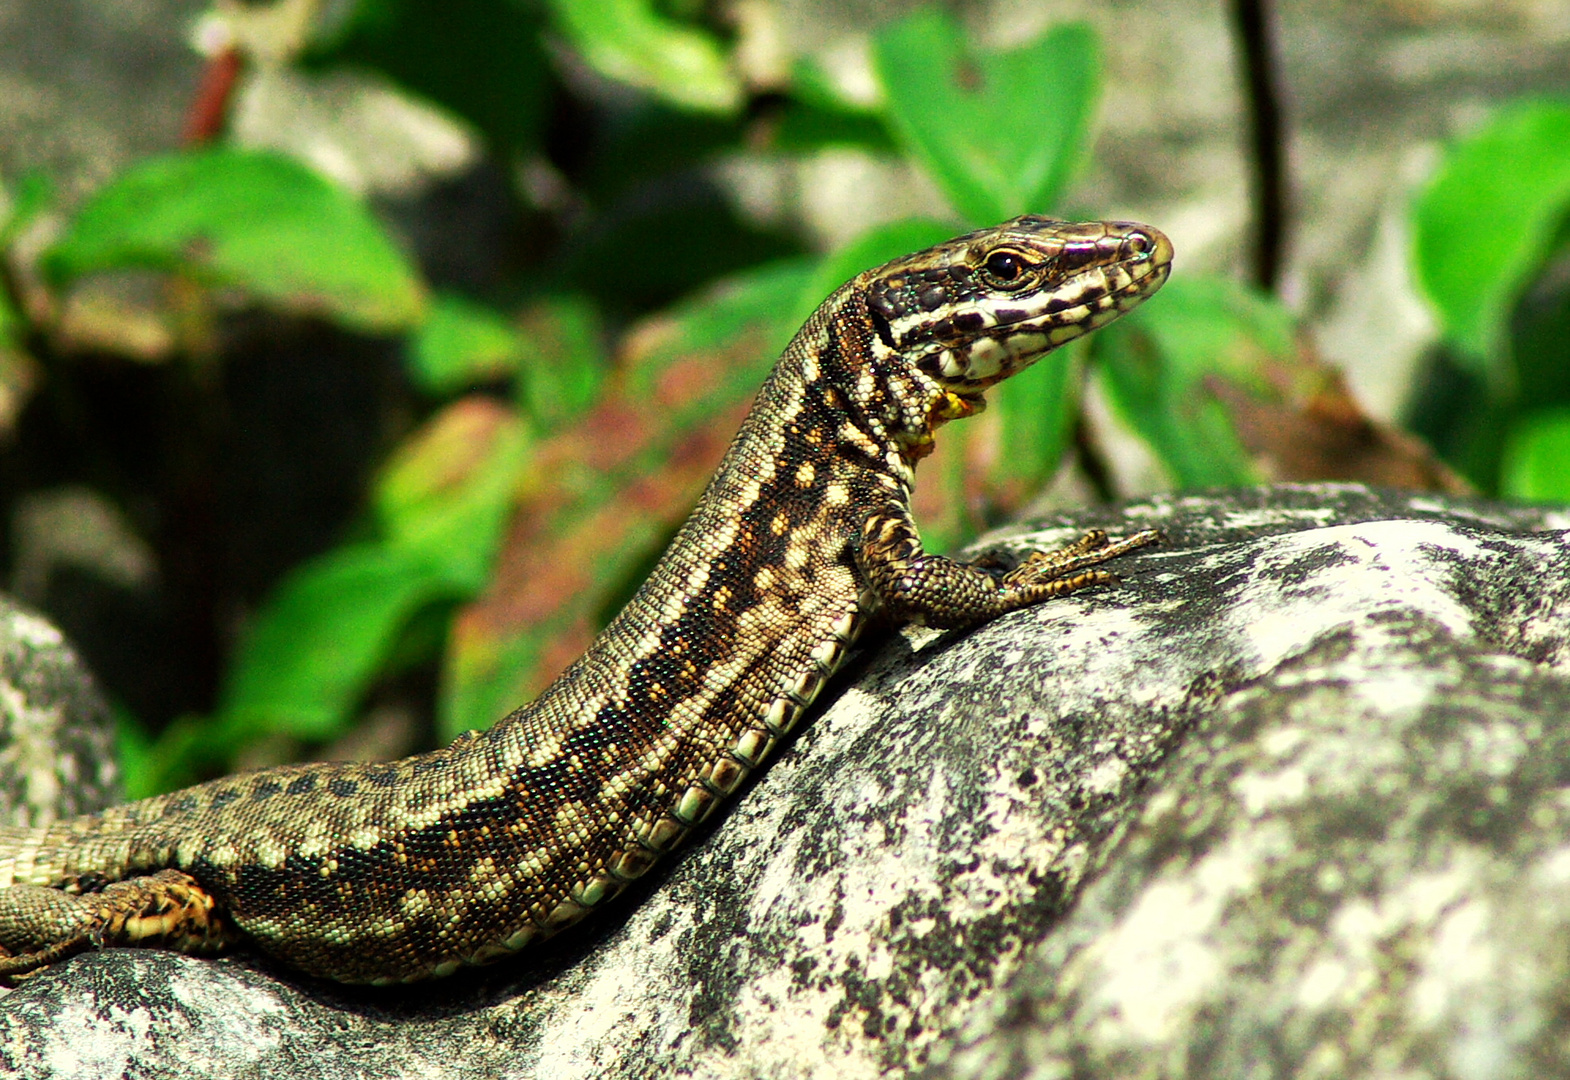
point(970, 312)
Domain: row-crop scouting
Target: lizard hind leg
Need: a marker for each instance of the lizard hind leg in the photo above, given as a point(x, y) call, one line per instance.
point(167, 909)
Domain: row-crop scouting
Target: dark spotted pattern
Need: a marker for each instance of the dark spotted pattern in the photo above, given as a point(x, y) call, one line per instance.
point(410, 869)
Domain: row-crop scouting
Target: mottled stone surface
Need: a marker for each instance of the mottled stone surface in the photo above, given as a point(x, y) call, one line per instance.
point(1290, 802)
point(89, 86)
point(1357, 866)
point(55, 731)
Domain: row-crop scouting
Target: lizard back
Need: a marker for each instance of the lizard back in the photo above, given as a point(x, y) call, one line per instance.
point(409, 869)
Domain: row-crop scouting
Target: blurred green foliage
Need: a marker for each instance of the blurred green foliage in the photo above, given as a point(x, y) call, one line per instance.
point(632, 42)
point(1492, 253)
point(578, 459)
point(1005, 130)
point(482, 59)
point(251, 220)
point(1159, 370)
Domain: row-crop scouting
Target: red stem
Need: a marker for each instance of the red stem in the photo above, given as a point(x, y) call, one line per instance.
point(210, 110)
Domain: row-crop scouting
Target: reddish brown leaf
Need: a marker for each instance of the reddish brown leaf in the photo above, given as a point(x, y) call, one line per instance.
point(603, 495)
point(1313, 429)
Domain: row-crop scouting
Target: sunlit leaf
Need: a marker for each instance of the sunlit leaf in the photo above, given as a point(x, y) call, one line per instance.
point(1000, 132)
point(320, 639)
point(817, 114)
point(252, 220)
point(628, 40)
point(1485, 223)
point(447, 492)
point(1537, 458)
point(566, 360)
point(1169, 364)
point(462, 342)
point(21, 205)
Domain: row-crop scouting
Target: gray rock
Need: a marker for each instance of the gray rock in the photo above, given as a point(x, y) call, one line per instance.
point(89, 86)
point(56, 735)
point(1287, 803)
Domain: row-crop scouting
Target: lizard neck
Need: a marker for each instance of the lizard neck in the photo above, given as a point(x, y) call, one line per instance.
point(766, 558)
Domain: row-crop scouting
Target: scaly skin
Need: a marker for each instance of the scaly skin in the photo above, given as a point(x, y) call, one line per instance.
point(401, 871)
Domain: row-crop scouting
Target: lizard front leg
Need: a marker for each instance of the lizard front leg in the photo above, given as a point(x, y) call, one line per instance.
point(944, 593)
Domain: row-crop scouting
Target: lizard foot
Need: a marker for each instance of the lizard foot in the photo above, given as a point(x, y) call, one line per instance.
point(169, 909)
point(1069, 565)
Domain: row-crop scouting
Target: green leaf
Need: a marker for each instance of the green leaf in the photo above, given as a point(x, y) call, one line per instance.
point(1000, 132)
point(461, 343)
point(445, 496)
point(252, 220)
point(628, 40)
point(323, 636)
point(319, 640)
point(187, 749)
point(1540, 335)
point(20, 373)
point(566, 361)
point(19, 208)
point(1039, 407)
point(816, 115)
point(479, 687)
point(11, 325)
point(1159, 364)
point(133, 749)
point(1485, 223)
point(1537, 457)
point(812, 84)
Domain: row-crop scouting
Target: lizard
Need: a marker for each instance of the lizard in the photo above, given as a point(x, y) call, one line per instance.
point(399, 871)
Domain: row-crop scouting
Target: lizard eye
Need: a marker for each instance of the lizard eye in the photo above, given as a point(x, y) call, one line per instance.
point(1004, 267)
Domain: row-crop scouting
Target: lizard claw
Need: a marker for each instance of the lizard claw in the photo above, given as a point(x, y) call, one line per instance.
point(1093, 548)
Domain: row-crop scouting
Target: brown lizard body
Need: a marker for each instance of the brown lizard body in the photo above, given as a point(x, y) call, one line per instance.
point(400, 871)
